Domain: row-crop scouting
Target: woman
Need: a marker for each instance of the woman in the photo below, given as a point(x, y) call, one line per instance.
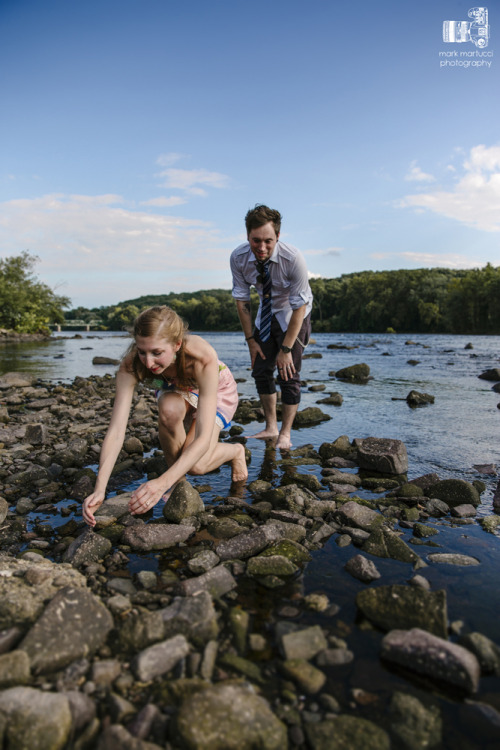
point(194, 389)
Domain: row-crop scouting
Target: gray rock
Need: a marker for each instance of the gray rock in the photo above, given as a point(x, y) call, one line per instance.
point(82, 708)
point(437, 508)
point(362, 569)
point(16, 380)
point(340, 448)
point(464, 511)
point(485, 650)
point(309, 679)
point(493, 374)
point(105, 361)
point(455, 492)
point(434, 657)
point(112, 509)
point(304, 643)
point(35, 719)
point(36, 434)
point(148, 537)
point(74, 624)
point(414, 725)
point(4, 509)
point(105, 672)
point(311, 415)
point(355, 373)
point(14, 669)
point(26, 585)
point(451, 558)
point(217, 582)
point(483, 720)
point(404, 607)
point(116, 737)
point(415, 398)
point(347, 733)
point(266, 565)
point(184, 501)
point(229, 717)
point(140, 629)
point(203, 561)
point(88, 547)
point(192, 616)
point(384, 455)
point(354, 514)
point(384, 543)
point(160, 658)
point(249, 543)
point(334, 657)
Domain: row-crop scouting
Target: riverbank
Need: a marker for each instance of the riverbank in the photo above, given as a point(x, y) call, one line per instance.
point(8, 336)
point(275, 617)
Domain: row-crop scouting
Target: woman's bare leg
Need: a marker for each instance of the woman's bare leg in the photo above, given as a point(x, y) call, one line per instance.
point(172, 409)
point(221, 453)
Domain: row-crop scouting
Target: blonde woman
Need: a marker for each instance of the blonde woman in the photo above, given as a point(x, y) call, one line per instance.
point(195, 392)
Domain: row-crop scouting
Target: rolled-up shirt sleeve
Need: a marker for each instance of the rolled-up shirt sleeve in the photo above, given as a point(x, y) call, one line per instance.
point(241, 288)
point(300, 291)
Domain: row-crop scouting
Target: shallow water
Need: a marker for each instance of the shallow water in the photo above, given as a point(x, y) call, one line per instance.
point(448, 437)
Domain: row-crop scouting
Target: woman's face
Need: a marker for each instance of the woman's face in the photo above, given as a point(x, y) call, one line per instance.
point(156, 353)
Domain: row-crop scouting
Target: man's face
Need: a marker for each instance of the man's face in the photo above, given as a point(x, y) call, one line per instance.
point(263, 241)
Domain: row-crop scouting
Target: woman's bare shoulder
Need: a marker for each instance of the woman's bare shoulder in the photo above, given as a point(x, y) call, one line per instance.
point(199, 349)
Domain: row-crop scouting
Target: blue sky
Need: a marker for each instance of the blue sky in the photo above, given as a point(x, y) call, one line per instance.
point(135, 135)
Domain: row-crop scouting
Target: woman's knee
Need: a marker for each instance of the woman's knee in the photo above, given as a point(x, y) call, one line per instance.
point(171, 410)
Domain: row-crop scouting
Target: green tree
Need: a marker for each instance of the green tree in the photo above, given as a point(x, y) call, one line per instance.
point(26, 304)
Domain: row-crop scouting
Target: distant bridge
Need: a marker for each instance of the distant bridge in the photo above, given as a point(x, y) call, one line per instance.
point(82, 325)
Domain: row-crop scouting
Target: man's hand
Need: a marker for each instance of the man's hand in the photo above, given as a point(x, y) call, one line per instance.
point(255, 349)
point(285, 365)
point(146, 496)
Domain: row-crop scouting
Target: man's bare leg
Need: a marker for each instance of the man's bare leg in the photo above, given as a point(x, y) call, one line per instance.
point(288, 412)
point(271, 432)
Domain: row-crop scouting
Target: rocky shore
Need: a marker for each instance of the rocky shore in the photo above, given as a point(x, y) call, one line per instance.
point(193, 629)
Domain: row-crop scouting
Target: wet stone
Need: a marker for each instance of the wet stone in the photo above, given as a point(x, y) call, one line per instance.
point(347, 733)
point(160, 658)
point(303, 644)
point(362, 569)
point(405, 607)
point(308, 678)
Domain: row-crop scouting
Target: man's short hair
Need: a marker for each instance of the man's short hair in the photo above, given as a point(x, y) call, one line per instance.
point(261, 215)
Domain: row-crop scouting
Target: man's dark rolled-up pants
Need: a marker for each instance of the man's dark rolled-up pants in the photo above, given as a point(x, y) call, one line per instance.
point(263, 370)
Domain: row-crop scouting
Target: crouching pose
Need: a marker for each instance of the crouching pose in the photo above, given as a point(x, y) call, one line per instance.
point(197, 397)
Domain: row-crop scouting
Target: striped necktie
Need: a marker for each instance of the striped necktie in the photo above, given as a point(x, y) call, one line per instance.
point(266, 311)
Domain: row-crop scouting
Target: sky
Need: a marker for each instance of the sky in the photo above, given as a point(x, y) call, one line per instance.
point(136, 134)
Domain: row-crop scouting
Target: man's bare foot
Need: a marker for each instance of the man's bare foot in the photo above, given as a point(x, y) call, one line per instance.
point(239, 471)
point(267, 434)
point(284, 443)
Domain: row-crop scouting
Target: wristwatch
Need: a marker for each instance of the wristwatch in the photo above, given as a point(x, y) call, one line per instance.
point(285, 349)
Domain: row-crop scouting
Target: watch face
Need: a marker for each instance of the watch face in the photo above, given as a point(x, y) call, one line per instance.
point(286, 349)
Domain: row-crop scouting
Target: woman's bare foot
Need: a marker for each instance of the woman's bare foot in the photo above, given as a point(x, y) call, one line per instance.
point(267, 434)
point(284, 442)
point(239, 471)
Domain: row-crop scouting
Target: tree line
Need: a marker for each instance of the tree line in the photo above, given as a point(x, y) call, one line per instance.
point(433, 300)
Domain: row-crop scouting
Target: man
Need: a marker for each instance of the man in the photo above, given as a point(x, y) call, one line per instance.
point(283, 323)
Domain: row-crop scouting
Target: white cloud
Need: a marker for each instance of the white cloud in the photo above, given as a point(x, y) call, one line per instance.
point(166, 160)
point(326, 251)
point(190, 180)
point(475, 199)
point(415, 174)
point(433, 260)
point(164, 202)
point(106, 244)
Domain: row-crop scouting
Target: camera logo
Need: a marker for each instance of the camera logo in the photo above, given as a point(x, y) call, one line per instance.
point(476, 31)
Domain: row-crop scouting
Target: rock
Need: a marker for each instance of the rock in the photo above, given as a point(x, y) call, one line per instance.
point(304, 643)
point(105, 672)
point(203, 561)
point(4, 509)
point(276, 565)
point(354, 514)
point(404, 607)
point(116, 737)
point(35, 719)
point(347, 733)
point(148, 537)
point(74, 624)
point(451, 558)
point(88, 547)
point(362, 569)
point(490, 523)
point(229, 717)
point(193, 616)
point(82, 709)
point(436, 508)
point(133, 445)
point(422, 531)
point(27, 585)
point(105, 361)
point(415, 398)
point(492, 374)
point(340, 448)
point(385, 543)
point(36, 434)
point(311, 415)
point(482, 720)
point(309, 679)
point(384, 455)
point(184, 501)
point(355, 373)
point(464, 511)
point(112, 509)
point(140, 629)
point(217, 582)
point(334, 399)
point(160, 658)
point(16, 380)
point(249, 543)
point(485, 650)
point(434, 657)
point(14, 669)
point(455, 492)
point(415, 726)
point(334, 657)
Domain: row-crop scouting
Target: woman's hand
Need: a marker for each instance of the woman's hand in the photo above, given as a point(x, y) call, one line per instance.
point(146, 496)
point(90, 505)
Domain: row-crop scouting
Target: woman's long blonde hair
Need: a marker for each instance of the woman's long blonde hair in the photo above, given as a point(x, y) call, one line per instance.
point(164, 322)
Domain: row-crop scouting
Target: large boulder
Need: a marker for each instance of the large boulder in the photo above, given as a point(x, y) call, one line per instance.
point(229, 717)
point(434, 657)
point(354, 373)
point(34, 719)
point(383, 455)
point(404, 607)
point(184, 501)
point(147, 537)
point(455, 492)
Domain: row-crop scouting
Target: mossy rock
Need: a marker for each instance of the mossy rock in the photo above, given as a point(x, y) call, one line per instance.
point(310, 481)
point(400, 607)
point(288, 548)
point(455, 492)
point(407, 490)
point(347, 733)
point(355, 373)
